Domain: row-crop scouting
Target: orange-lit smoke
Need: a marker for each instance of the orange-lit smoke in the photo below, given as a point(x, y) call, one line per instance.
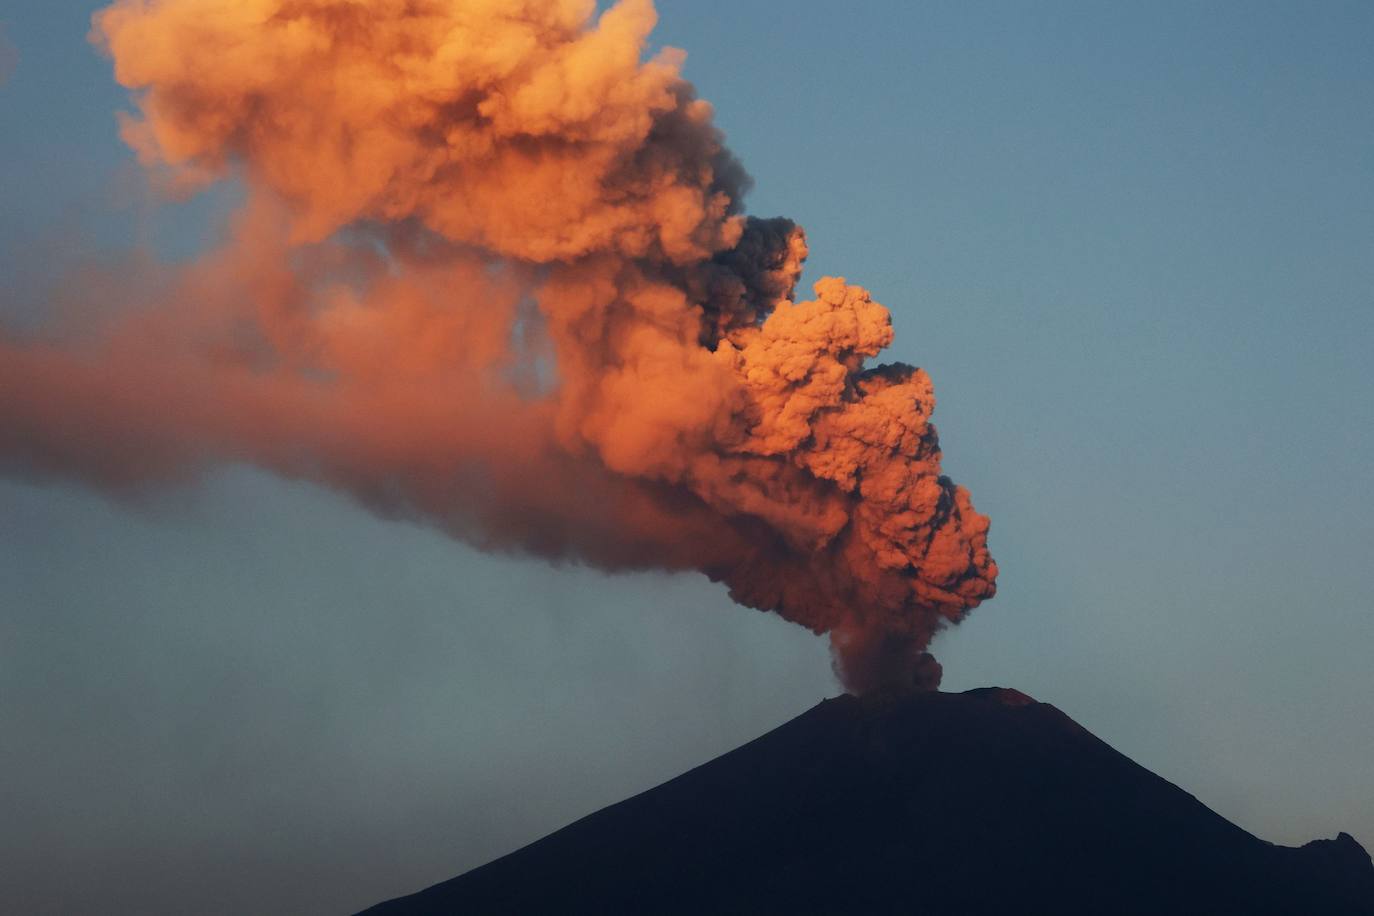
point(492, 272)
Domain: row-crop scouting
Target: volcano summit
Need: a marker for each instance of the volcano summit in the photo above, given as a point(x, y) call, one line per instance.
point(932, 803)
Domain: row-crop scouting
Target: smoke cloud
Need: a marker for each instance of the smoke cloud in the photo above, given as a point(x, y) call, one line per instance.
point(492, 272)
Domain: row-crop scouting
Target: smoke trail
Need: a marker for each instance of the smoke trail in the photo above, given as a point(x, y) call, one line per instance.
point(492, 272)
point(9, 57)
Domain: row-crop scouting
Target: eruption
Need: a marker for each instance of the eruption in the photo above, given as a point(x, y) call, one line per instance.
point(492, 272)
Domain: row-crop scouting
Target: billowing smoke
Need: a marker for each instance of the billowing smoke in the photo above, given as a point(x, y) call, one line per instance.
point(491, 272)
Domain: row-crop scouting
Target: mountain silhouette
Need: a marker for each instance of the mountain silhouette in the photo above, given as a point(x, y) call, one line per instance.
point(928, 803)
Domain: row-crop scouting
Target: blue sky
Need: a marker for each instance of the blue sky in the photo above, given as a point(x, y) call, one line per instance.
point(1134, 248)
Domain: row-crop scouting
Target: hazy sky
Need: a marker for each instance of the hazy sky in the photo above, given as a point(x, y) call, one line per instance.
point(1133, 246)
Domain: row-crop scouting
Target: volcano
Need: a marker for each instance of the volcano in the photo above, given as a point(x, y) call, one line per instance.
point(928, 803)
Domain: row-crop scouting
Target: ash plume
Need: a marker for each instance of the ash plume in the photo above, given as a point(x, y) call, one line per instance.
point(492, 272)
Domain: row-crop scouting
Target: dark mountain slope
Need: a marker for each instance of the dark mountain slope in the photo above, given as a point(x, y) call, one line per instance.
point(981, 802)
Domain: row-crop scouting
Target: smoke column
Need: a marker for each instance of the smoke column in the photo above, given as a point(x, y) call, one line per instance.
point(492, 273)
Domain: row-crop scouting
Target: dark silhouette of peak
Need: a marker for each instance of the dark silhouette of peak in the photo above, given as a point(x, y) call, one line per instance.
point(930, 803)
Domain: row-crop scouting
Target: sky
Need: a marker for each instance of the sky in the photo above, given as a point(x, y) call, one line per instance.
point(1131, 245)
